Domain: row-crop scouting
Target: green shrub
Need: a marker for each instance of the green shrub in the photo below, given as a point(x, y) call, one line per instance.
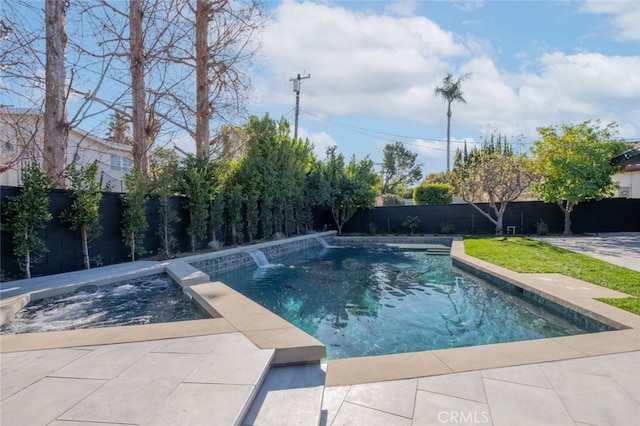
point(26, 213)
point(541, 227)
point(372, 228)
point(392, 200)
point(447, 228)
point(433, 193)
point(412, 223)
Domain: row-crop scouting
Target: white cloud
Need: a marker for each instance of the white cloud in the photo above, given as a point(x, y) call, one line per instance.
point(402, 7)
point(320, 140)
point(365, 64)
point(357, 61)
point(469, 5)
point(625, 17)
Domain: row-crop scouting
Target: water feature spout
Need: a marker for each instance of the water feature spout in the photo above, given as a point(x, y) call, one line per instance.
point(324, 243)
point(259, 258)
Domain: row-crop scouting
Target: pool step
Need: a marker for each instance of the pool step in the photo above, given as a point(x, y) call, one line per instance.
point(444, 251)
point(289, 395)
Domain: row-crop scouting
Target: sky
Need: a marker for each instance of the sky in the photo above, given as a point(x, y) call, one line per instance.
point(374, 67)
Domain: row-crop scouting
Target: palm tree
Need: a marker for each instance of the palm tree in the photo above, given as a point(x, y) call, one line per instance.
point(451, 91)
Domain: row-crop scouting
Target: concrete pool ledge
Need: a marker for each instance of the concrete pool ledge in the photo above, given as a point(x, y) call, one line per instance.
point(234, 313)
point(566, 291)
point(230, 311)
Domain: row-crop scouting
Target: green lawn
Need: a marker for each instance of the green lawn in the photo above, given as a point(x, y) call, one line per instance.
point(531, 256)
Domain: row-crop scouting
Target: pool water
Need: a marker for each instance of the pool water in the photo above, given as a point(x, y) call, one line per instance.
point(361, 302)
point(147, 300)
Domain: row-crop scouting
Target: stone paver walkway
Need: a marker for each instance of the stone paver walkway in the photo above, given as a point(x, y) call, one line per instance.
point(602, 390)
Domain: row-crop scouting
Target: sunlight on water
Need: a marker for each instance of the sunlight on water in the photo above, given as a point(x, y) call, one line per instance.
point(371, 302)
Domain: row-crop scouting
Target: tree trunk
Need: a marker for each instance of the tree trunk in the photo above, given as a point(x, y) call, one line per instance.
point(234, 233)
point(448, 135)
point(137, 69)
point(203, 110)
point(56, 127)
point(85, 247)
point(132, 237)
point(27, 260)
point(499, 227)
point(567, 217)
point(488, 216)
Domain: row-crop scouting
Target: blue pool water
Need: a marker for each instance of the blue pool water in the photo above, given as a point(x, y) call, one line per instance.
point(147, 300)
point(361, 302)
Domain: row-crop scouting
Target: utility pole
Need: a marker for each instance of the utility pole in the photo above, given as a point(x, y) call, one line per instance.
point(296, 88)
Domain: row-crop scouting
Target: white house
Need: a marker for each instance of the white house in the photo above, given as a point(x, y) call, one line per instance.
point(21, 142)
point(629, 180)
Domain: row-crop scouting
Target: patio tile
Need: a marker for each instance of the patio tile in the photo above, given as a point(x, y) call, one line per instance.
point(460, 385)
point(530, 375)
point(515, 404)
point(45, 400)
point(67, 423)
point(394, 397)
point(352, 414)
point(105, 362)
point(25, 368)
point(578, 391)
point(137, 392)
point(437, 409)
point(578, 365)
point(626, 374)
point(196, 404)
point(233, 360)
point(190, 345)
point(288, 396)
point(331, 402)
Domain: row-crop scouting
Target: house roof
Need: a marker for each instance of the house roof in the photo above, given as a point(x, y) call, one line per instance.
point(627, 158)
point(125, 150)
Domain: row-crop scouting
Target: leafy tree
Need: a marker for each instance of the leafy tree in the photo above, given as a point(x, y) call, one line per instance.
point(196, 178)
point(493, 175)
point(399, 169)
point(233, 196)
point(134, 219)
point(26, 213)
point(165, 183)
point(84, 212)
point(451, 91)
point(412, 223)
point(433, 193)
point(119, 129)
point(347, 188)
point(443, 177)
point(573, 162)
point(392, 200)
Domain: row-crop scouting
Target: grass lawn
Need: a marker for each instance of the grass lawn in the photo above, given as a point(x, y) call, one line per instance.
point(531, 256)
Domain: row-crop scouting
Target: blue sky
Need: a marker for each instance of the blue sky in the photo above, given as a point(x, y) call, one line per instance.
point(374, 66)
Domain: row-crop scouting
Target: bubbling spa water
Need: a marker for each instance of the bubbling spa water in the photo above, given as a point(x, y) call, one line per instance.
point(152, 299)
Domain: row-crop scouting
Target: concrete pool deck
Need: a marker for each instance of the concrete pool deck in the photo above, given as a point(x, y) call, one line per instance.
point(217, 372)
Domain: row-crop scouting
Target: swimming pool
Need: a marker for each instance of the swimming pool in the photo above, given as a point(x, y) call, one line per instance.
point(148, 300)
point(362, 302)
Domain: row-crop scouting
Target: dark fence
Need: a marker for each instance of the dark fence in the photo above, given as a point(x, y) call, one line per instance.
point(610, 215)
point(65, 250)
point(65, 246)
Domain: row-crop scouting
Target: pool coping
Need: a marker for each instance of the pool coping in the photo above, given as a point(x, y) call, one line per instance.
point(233, 312)
point(566, 291)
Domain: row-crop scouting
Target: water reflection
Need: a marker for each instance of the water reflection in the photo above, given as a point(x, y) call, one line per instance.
point(371, 302)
